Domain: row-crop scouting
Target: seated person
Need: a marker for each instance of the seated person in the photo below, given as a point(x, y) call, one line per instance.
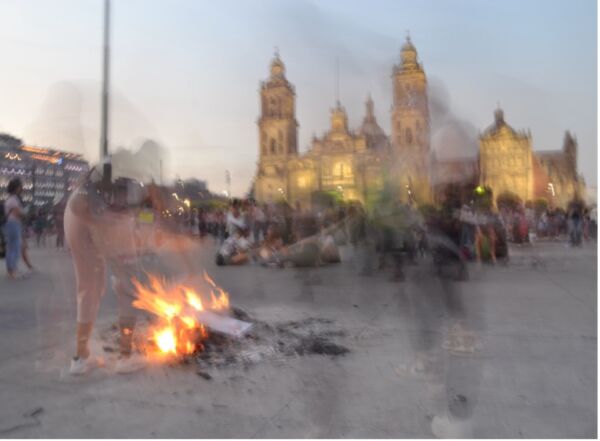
point(329, 252)
point(304, 253)
point(272, 244)
point(235, 249)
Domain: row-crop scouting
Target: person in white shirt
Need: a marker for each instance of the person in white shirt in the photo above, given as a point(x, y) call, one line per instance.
point(13, 210)
point(235, 249)
point(235, 220)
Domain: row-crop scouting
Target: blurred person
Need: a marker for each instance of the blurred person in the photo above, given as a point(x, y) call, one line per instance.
point(395, 225)
point(235, 220)
point(586, 224)
point(25, 256)
point(542, 228)
point(268, 218)
point(306, 250)
point(58, 213)
point(235, 250)
point(221, 226)
point(593, 223)
point(100, 228)
point(329, 252)
point(39, 227)
point(356, 225)
point(28, 231)
point(202, 223)
point(575, 222)
point(520, 232)
point(259, 226)
point(13, 228)
point(467, 237)
point(270, 247)
point(285, 219)
point(485, 243)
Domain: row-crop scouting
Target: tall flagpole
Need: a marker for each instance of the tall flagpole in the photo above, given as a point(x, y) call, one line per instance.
point(105, 83)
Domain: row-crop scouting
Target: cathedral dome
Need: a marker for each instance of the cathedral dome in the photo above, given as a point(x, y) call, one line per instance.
point(408, 46)
point(277, 66)
point(408, 54)
point(499, 126)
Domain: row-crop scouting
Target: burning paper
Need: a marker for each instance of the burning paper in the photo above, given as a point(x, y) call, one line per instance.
point(185, 314)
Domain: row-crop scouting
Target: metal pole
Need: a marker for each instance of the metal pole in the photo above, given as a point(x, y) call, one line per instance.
point(105, 83)
point(228, 182)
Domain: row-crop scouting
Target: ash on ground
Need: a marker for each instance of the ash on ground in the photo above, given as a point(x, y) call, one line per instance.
point(264, 341)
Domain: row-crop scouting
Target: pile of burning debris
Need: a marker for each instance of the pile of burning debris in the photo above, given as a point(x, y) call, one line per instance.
point(187, 327)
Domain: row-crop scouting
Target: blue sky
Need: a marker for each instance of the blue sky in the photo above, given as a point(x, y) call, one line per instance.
point(186, 72)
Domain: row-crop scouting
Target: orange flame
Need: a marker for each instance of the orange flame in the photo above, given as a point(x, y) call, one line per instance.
point(178, 331)
point(165, 340)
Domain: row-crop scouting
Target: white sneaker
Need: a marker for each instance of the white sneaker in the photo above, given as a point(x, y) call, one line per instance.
point(133, 363)
point(81, 366)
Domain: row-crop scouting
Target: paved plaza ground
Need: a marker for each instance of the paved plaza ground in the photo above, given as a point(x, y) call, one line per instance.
point(531, 370)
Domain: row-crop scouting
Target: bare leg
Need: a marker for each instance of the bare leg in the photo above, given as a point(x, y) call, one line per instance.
point(90, 278)
point(25, 255)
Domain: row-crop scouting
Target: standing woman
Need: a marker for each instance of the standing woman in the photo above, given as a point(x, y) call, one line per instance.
point(13, 210)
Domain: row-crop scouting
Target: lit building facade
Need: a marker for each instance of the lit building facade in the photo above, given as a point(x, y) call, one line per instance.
point(364, 163)
point(508, 164)
point(47, 174)
point(351, 164)
point(506, 159)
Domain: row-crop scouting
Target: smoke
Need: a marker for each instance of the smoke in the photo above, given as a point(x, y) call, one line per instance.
point(69, 119)
point(451, 136)
point(58, 122)
point(143, 163)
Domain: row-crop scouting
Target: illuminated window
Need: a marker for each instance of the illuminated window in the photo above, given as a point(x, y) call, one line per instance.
point(338, 170)
point(302, 181)
point(341, 170)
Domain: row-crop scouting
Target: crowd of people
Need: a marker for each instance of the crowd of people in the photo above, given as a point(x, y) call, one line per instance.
point(280, 235)
point(577, 223)
point(272, 235)
point(484, 233)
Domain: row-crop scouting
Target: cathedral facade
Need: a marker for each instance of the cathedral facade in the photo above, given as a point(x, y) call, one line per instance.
point(351, 164)
point(363, 164)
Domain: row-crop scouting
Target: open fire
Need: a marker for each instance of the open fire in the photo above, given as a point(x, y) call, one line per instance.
point(179, 308)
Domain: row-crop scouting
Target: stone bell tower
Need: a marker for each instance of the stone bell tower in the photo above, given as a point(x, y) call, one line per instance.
point(410, 126)
point(278, 134)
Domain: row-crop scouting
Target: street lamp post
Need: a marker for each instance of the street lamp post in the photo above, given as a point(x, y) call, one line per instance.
point(228, 181)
